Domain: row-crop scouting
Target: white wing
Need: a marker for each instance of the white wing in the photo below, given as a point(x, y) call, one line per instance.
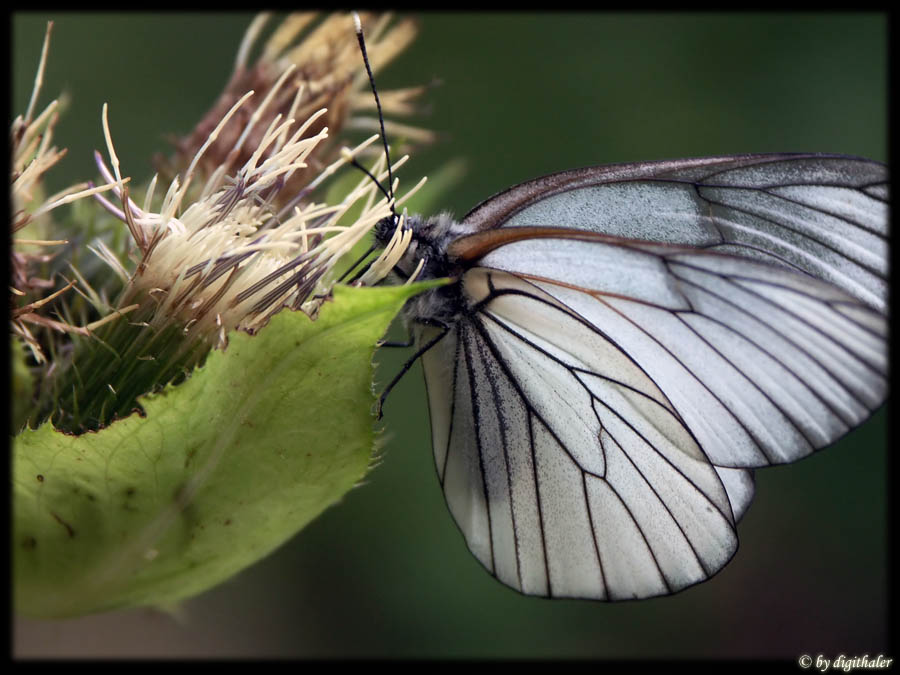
point(599, 406)
point(762, 364)
point(826, 215)
point(595, 444)
point(566, 468)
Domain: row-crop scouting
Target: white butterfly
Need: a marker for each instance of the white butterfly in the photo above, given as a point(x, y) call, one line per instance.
point(623, 345)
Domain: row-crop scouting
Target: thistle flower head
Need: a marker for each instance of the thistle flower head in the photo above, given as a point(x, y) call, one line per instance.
point(239, 234)
point(231, 259)
point(227, 259)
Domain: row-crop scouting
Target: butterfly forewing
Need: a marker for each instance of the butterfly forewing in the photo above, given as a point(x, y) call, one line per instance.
point(822, 214)
point(763, 364)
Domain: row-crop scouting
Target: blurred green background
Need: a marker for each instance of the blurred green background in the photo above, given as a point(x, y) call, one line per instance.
point(386, 573)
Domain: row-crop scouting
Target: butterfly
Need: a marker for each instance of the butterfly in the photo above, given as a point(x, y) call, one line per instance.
point(621, 346)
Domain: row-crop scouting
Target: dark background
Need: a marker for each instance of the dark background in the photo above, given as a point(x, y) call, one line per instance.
point(386, 573)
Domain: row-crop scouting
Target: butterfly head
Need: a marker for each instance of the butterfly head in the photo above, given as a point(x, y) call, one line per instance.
point(426, 258)
point(427, 250)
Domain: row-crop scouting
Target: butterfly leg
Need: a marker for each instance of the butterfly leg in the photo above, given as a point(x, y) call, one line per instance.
point(408, 343)
point(445, 328)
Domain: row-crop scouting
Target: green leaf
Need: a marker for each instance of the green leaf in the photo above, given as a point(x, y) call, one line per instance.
point(224, 467)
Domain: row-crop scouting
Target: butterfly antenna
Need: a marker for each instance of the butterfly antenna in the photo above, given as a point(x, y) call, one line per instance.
point(362, 47)
point(359, 166)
